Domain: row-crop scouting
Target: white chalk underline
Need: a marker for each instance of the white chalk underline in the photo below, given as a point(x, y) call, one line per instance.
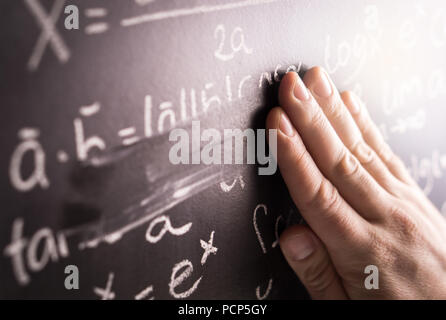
point(161, 15)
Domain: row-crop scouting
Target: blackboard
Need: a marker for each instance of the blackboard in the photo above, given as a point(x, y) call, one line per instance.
point(86, 179)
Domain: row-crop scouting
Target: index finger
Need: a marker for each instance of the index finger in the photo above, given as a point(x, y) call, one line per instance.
point(327, 213)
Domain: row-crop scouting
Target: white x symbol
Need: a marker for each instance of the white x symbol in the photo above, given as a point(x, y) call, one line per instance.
point(49, 33)
point(208, 248)
point(107, 293)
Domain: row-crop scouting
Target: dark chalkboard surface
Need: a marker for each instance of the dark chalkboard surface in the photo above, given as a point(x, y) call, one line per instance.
point(86, 177)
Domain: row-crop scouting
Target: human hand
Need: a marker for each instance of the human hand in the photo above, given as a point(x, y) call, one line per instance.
point(360, 203)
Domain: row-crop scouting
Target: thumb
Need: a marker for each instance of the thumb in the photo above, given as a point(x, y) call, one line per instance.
point(309, 259)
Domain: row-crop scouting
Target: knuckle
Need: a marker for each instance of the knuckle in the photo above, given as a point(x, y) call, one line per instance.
point(300, 154)
point(380, 249)
point(359, 234)
point(317, 118)
point(404, 225)
point(334, 109)
point(387, 250)
point(347, 166)
point(385, 153)
point(328, 202)
point(363, 152)
point(325, 198)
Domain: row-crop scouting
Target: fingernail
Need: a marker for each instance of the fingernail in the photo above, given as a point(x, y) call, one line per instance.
point(285, 125)
point(300, 246)
point(322, 87)
point(354, 104)
point(300, 90)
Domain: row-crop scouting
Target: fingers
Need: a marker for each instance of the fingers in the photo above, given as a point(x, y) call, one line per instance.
point(342, 122)
point(373, 135)
point(333, 107)
point(309, 259)
point(374, 138)
point(334, 160)
point(317, 199)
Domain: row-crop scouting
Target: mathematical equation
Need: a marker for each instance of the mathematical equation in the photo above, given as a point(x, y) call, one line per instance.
point(349, 56)
point(159, 117)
